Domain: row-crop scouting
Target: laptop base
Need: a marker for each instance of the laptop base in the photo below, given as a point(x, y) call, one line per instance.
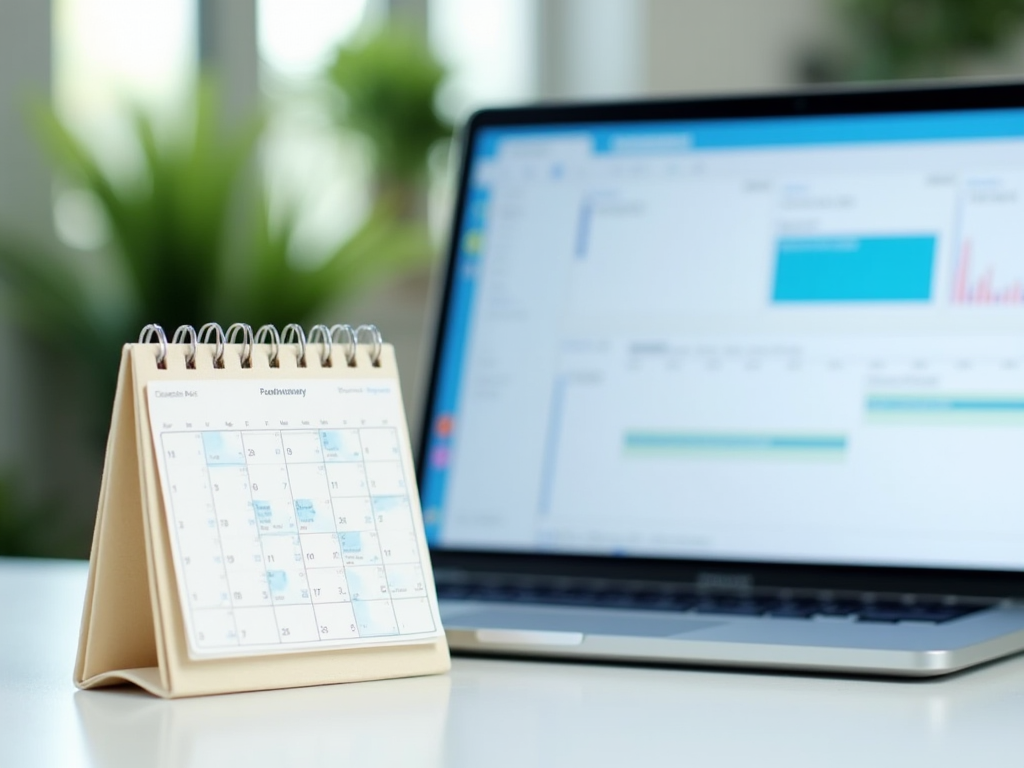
point(830, 645)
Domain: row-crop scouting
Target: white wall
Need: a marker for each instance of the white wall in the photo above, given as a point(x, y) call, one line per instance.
point(702, 46)
point(621, 48)
point(591, 49)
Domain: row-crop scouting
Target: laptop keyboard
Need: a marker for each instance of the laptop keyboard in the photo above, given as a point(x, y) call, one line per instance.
point(868, 610)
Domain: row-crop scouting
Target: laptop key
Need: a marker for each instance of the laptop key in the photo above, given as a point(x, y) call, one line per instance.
point(733, 606)
point(941, 613)
point(935, 613)
point(795, 609)
point(683, 602)
point(664, 601)
point(839, 608)
point(887, 613)
point(575, 596)
point(616, 599)
point(653, 600)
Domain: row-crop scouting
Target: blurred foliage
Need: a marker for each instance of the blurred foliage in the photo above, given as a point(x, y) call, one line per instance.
point(164, 262)
point(891, 39)
point(14, 521)
point(192, 239)
point(388, 85)
point(33, 529)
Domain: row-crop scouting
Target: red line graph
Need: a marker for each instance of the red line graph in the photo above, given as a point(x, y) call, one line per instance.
point(971, 289)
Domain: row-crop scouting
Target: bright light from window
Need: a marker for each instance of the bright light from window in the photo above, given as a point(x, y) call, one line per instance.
point(310, 168)
point(112, 53)
point(488, 46)
point(298, 37)
point(110, 56)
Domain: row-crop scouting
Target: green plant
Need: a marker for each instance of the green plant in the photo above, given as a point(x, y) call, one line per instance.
point(190, 241)
point(890, 39)
point(13, 528)
point(166, 261)
point(383, 245)
point(388, 84)
point(33, 528)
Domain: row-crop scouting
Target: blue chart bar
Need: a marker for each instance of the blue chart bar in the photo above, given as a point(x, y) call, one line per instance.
point(895, 268)
point(547, 480)
point(727, 443)
point(992, 410)
point(932, 404)
point(583, 229)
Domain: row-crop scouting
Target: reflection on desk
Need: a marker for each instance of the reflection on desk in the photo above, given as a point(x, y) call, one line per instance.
point(536, 714)
point(355, 725)
point(487, 712)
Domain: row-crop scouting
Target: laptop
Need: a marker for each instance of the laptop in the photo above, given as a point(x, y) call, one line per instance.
point(735, 382)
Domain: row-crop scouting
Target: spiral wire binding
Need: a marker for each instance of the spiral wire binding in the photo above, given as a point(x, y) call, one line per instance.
point(375, 338)
point(350, 341)
point(204, 333)
point(327, 337)
point(248, 341)
point(155, 330)
point(294, 329)
point(186, 333)
point(275, 341)
point(325, 333)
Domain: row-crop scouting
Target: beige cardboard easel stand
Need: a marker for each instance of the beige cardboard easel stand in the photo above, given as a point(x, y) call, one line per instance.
point(132, 625)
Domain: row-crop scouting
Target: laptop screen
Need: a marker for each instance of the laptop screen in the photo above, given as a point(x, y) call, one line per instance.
point(782, 339)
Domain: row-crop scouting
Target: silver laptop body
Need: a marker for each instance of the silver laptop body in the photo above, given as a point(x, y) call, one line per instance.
point(736, 382)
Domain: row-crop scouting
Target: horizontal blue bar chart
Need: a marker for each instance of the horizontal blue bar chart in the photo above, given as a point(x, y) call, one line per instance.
point(818, 269)
point(990, 410)
point(736, 445)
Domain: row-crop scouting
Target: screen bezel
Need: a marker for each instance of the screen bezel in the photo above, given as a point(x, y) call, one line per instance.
point(916, 97)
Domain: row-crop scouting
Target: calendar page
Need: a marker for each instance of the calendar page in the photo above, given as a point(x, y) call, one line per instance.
point(291, 518)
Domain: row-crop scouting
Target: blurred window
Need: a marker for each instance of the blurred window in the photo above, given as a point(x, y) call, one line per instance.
point(310, 167)
point(490, 48)
point(108, 54)
point(297, 38)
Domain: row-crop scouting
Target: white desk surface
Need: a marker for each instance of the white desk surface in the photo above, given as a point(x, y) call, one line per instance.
point(485, 713)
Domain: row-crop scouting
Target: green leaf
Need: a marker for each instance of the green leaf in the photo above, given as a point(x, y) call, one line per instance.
point(925, 38)
point(388, 83)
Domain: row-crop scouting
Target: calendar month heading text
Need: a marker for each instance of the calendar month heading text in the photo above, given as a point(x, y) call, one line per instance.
point(278, 391)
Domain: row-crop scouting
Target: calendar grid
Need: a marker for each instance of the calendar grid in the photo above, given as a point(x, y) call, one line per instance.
point(214, 464)
point(297, 533)
point(220, 543)
point(190, 577)
point(263, 553)
point(383, 564)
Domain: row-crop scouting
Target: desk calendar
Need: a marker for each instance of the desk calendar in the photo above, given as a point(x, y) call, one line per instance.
point(259, 525)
